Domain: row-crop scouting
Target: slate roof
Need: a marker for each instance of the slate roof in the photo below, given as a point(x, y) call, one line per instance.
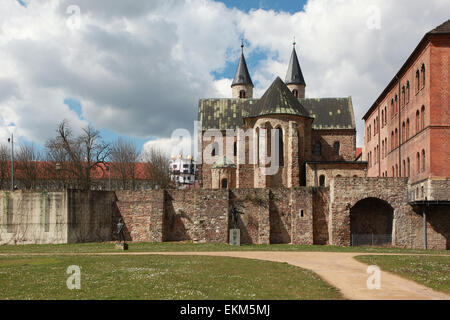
point(242, 76)
point(294, 74)
point(328, 113)
point(278, 99)
point(443, 28)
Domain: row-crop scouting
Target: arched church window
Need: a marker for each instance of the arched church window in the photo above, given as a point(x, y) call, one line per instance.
point(242, 94)
point(317, 149)
point(280, 146)
point(235, 149)
point(322, 180)
point(295, 92)
point(337, 148)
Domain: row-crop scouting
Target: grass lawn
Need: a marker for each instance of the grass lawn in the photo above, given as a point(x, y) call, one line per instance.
point(431, 271)
point(158, 277)
point(187, 246)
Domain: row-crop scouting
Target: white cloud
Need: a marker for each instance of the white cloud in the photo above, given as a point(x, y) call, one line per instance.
point(139, 68)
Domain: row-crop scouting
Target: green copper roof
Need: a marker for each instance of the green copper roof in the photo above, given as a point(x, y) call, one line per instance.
point(224, 162)
point(278, 99)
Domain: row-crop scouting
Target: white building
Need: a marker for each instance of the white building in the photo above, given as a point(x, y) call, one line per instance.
point(183, 170)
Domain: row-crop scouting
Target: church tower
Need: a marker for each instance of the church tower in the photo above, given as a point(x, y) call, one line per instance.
point(294, 77)
point(242, 86)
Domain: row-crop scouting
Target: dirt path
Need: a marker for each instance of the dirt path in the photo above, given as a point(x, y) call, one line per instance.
point(339, 269)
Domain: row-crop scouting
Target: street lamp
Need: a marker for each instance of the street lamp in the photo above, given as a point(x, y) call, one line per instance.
point(11, 129)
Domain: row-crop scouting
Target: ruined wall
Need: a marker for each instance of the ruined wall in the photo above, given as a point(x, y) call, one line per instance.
point(142, 213)
point(254, 223)
point(321, 197)
point(198, 215)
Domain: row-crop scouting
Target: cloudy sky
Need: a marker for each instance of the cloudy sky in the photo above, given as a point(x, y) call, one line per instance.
point(137, 68)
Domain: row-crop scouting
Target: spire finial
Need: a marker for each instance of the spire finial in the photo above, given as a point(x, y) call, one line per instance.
point(294, 43)
point(242, 45)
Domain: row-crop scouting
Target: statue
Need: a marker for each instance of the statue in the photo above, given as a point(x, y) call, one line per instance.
point(120, 227)
point(235, 216)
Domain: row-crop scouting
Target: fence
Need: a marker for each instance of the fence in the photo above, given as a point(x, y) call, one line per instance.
point(371, 239)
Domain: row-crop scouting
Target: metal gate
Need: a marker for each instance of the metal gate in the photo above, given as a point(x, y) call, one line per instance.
point(371, 239)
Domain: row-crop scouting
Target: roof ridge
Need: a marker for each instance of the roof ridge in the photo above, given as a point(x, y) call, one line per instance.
point(278, 99)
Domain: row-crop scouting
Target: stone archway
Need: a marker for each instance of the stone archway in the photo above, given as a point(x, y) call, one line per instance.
point(371, 222)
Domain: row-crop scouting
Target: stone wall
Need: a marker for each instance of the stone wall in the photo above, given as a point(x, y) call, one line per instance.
point(142, 212)
point(198, 215)
point(89, 216)
point(321, 197)
point(407, 230)
point(330, 170)
point(29, 217)
point(345, 193)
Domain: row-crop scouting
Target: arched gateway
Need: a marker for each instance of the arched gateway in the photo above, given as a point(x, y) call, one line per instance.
point(371, 222)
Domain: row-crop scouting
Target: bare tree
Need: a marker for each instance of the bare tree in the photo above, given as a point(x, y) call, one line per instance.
point(124, 155)
point(27, 165)
point(5, 166)
point(157, 164)
point(84, 153)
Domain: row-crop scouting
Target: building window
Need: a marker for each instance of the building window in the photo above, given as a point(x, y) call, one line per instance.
point(235, 149)
point(422, 118)
point(280, 146)
point(407, 129)
point(418, 162)
point(317, 149)
point(396, 104)
point(403, 131)
point(396, 138)
point(407, 92)
point(224, 183)
point(242, 94)
point(417, 121)
point(403, 97)
point(392, 109)
point(417, 81)
point(337, 147)
point(215, 149)
point(382, 118)
point(382, 149)
point(423, 76)
point(385, 115)
point(423, 160)
point(322, 180)
point(396, 170)
point(295, 93)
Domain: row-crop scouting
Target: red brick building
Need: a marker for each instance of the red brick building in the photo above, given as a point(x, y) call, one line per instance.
point(407, 129)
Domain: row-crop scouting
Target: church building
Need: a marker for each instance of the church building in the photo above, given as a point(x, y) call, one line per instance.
point(314, 138)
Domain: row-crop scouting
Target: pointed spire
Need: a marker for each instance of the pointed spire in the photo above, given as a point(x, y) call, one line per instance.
point(242, 76)
point(294, 74)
